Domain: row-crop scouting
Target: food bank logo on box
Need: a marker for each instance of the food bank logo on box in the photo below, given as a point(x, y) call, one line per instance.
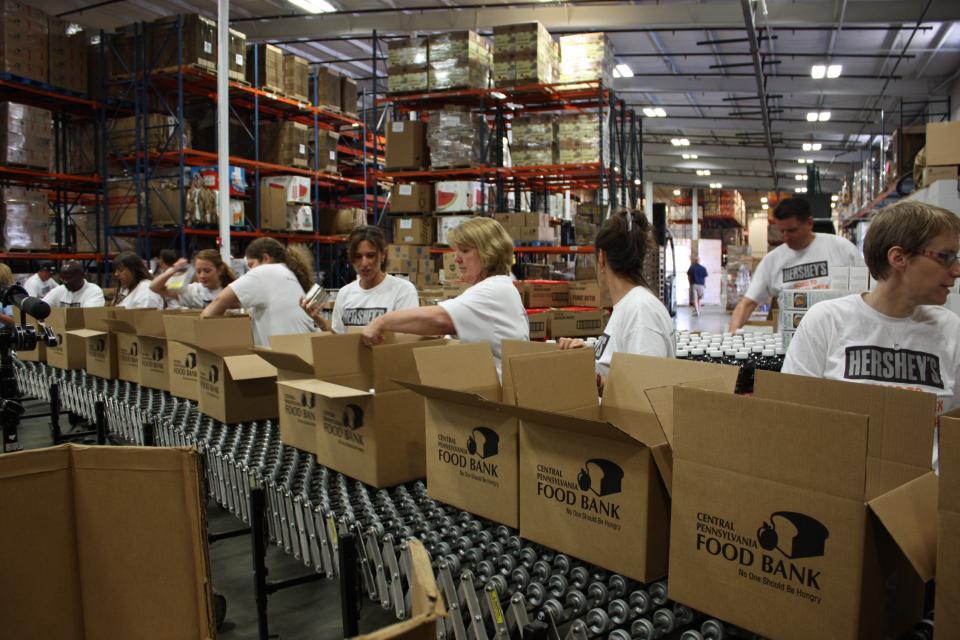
point(593, 496)
point(155, 361)
point(187, 368)
point(132, 355)
point(302, 408)
point(209, 381)
point(345, 425)
point(475, 460)
point(789, 537)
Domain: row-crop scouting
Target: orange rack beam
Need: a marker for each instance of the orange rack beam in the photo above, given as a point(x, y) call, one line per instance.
point(548, 250)
point(23, 175)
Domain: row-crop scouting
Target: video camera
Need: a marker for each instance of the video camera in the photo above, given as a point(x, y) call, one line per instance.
point(22, 337)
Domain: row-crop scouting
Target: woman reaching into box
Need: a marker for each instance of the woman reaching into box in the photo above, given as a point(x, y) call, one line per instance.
point(270, 291)
point(212, 274)
point(490, 310)
point(898, 334)
point(134, 280)
point(639, 323)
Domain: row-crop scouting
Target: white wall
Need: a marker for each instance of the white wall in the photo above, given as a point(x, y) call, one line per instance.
point(710, 258)
point(758, 236)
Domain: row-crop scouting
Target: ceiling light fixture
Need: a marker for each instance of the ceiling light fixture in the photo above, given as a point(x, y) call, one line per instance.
point(818, 71)
point(834, 71)
point(676, 192)
point(834, 198)
point(650, 112)
point(764, 206)
point(660, 112)
point(314, 6)
point(623, 70)
point(703, 172)
point(818, 116)
point(800, 177)
point(812, 146)
point(764, 199)
point(680, 142)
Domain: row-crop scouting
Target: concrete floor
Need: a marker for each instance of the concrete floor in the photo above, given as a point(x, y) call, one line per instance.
point(712, 318)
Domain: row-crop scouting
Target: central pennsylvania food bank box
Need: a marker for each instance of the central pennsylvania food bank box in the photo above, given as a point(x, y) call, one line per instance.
point(101, 345)
point(804, 521)
point(141, 346)
point(184, 331)
point(339, 400)
point(948, 541)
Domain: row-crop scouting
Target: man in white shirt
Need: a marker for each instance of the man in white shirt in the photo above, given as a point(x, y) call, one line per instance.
point(75, 290)
point(42, 282)
point(803, 261)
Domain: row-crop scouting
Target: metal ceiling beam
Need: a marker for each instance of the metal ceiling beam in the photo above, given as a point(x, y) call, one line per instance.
point(756, 125)
point(714, 163)
point(664, 176)
point(584, 16)
point(786, 153)
point(761, 83)
point(788, 87)
point(746, 54)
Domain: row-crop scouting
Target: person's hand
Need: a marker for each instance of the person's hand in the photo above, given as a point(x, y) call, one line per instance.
point(181, 265)
point(570, 343)
point(372, 334)
point(314, 312)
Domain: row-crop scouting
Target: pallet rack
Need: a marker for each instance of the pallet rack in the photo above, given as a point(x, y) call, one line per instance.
point(143, 89)
point(67, 193)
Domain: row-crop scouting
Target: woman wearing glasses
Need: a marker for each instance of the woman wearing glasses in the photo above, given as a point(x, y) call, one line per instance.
point(899, 334)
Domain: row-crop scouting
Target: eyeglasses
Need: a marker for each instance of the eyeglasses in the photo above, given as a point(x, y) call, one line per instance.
point(947, 258)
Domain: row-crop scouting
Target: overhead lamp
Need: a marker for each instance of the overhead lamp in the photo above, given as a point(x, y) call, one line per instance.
point(650, 112)
point(716, 185)
point(800, 190)
point(799, 177)
point(680, 142)
point(689, 156)
point(703, 172)
point(314, 6)
point(818, 71)
point(834, 198)
point(834, 71)
point(496, 95)
point(823, 116)
point(818, 116)
point(764, 199)
point(764, 206)
point(637, 181)
point(676, 192)
point(622, 71)
point(660, 112)
point(833, 205)
point(812, 146)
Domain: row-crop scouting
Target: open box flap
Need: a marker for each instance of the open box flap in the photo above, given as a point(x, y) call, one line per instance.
point(285, 361)
point(343, 355)
point(116, 325)
point(149, 323)
point(798, 445)
point(249, 367)
point(465, 367)
point(326, 389)
point(909, 514)
point(560, 381)
point(511, 348)
point(456, 396)
point(901, 421)
point(209, 333)
point(950, 462)
point(395, 360)
point(585, 426)
point(661, 400)
point(86, 333)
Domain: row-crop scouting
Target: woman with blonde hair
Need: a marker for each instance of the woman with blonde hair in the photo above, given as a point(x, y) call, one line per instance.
point(270, 291)
point(212, 275)
point(6, 279)
point(490, 310)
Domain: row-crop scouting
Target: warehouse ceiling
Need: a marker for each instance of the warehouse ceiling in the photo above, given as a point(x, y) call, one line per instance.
point(899, 60)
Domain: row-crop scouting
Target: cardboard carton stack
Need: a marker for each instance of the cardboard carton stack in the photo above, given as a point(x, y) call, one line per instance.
point(296, 78)
point(586, 57)
point(26, 220)
point(328, 89)
point(199, 47)
point(561, 309)
point(26, 135)
point(340, 221)
point(524, 54)
point(458, 60)
point(414, 230)
point(23, 41)
point(414, 261)
point(67, 56)
point(236, 60)
point(407, 65)
point(327, 152)
point(453, 138)
point(534, 140)
point(265, 67)
point(458, 196)
point(412, 197)
point(285, 203)
point(406, 145)
point(527, 227)
point(161, 134)
point(285, 143)
point(948, 542)
point(348, 96)
point(942, 152)
point(81, 147)
point(446, 224)
point(578, 138)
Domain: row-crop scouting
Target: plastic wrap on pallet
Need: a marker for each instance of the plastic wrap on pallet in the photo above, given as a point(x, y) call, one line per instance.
point(453, 136)
point(524, 54)
point(26, 220)
point(24, 35)
point(26, 135)
point(161, 134)
point(458, 60)
point(586, 57)
point(578, 138)
point(296, 77)
point(67, 56)
point(534, 140)
point(407, 65)
point(198, 48)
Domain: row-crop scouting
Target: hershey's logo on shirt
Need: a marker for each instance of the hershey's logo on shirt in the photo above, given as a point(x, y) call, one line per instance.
point(893, 365)
point(807, 271)
point(601, 346)
point(361, 317)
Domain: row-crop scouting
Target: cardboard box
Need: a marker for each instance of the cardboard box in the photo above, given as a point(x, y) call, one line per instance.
point(265, 61)
point(451, 270)
point(538, 319)
point(339, 400)
point(401, 252)
point(595, 478)
point(948, 544)
point(413, 197)
point(943, 143)
point(296, 78)
point(799, 521)
point(406, 145)
point(71, 352)
point(296, 189)
point(840, 278)
point(413, 230)
point(459, 196)
point(184, 332)
point(236, 385)
point(63, 509)
point(544, 293)
point(800, 300)
point(932, 174)
point(588, 293)
point(101, 345)
point(859, 279)
point(446, 224)
point(141, 346)
point(576, 322)
point(426, 280)
point(328, 88)
point(527, 227)
point(472, 451)
point(348, 96)
point(340, 221)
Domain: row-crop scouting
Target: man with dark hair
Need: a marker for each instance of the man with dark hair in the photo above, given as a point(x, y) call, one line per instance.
point(75, 291)
point(42, 282)
point(803, 261)
point(697, 276)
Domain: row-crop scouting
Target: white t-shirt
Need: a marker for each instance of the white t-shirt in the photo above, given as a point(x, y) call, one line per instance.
point(140, 297)
point(639, 325)
point(37, 288)
point(809, 268)
point(357, 307)
point(490, 311)
point(89, 295)
point(271, 295)
point(195, 296)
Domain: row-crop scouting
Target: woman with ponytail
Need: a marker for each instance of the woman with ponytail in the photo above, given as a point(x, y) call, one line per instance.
point(212, 274)
point(270, 291)
point(639, 323)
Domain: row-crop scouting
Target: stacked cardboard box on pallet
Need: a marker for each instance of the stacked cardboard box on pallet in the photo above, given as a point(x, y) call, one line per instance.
point(527, 227)
point(296, 78)
point(942, 152)
point(328, 89)
point(413, 261)
point(406, 145)
point(586, 57)
point(524, 54)
point(327, 142)
point(23, 41)
point(160, 135)
point(454, 138)
point(265, 67)
point(26, 220)
point(340, 221)
point(579, 138)
point(285, 143)
point(414, 197)
point(407, 65)
point(199, 44)
point(67, 56)
point(348, 96)
point(534, 140)
point(285, 203)
point(458, 60)
point(414, 230)
point(26, 135)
